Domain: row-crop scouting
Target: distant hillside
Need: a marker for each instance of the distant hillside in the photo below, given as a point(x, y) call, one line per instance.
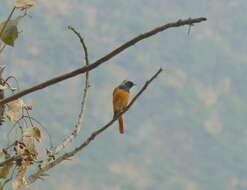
point(188, 131)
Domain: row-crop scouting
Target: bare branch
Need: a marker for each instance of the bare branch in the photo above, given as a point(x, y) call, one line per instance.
point(82, 43)
point(31, 179)
point(2, 83)
point(102, 60)
point(78, 124)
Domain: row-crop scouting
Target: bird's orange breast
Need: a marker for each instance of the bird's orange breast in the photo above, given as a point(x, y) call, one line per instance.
point(120, 99)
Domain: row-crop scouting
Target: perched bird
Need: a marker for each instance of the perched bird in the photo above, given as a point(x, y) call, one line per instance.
point(120, 100)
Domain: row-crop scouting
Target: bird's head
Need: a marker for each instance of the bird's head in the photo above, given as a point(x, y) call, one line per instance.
point(127, 85)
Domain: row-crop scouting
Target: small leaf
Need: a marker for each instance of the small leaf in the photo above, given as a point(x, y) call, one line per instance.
point(4, 171)
point(25, 4)
point(21, 149)
point(28, 136)
point(32, 132)
point(10, 33)
point(14, 110)
point(2, 87)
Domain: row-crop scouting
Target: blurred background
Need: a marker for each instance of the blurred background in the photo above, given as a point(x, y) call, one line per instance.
point(188, 130)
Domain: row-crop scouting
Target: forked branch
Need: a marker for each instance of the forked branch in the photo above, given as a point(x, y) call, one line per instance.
point(78, 124)
point(32, 178)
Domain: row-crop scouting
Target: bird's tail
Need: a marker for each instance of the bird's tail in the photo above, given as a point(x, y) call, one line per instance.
point(121, 124)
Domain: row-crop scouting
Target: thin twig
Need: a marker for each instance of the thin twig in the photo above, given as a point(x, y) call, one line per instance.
point(102, 60)
point(32, 178)
point(78, 124)
point(16, 81)
point(82, 43)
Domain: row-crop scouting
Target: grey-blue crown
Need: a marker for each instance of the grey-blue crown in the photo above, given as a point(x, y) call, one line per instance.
point(126, 85)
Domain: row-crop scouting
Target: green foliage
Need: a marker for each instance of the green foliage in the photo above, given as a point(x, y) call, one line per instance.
point(10, 31)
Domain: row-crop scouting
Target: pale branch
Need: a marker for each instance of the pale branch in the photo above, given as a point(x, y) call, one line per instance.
point(32, 178)
point(78, 124)
point(2, 48)
point(105, 58)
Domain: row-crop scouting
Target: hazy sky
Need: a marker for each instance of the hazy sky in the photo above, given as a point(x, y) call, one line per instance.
point(187, 132)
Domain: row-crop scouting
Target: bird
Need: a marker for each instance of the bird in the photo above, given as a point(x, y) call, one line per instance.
point(120, 99)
